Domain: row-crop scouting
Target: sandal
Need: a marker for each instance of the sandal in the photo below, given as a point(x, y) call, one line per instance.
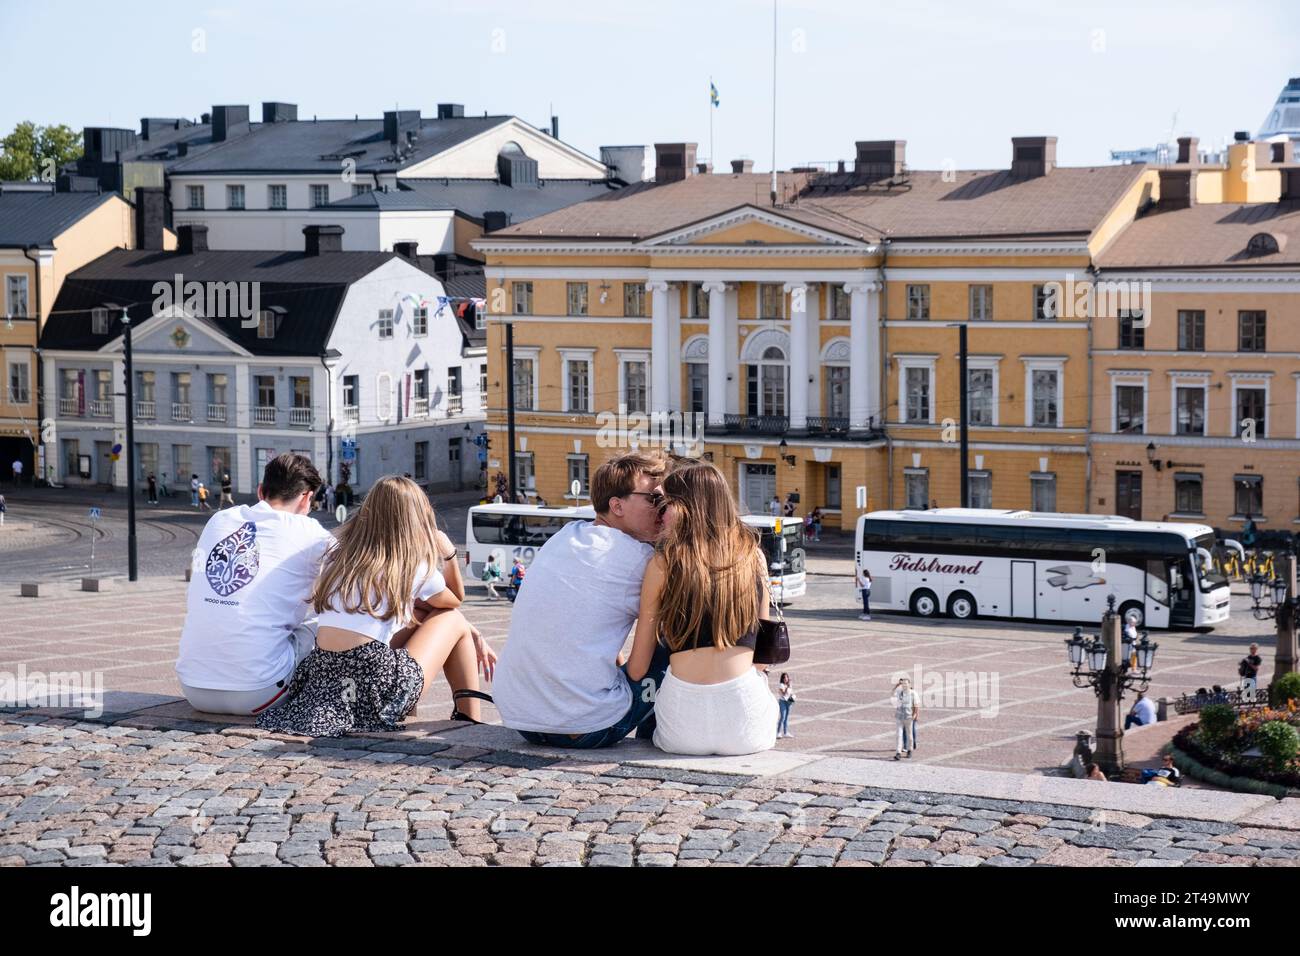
point(457, 695)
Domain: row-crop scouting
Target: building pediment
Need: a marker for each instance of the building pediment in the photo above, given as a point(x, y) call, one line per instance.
point(748, 227)
point(172, 331)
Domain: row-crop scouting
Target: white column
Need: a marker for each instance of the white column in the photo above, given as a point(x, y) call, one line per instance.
point(675, 348)
point(864, 380)
point(50, 412)
point(245, 481)
point(659, 394)
point(717, 292)
point(874, 408)
point(798, 355)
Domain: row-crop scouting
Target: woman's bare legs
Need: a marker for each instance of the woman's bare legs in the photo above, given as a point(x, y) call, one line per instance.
point(444, 642)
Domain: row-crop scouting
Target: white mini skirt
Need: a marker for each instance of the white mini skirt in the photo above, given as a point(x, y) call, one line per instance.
point(735, 717)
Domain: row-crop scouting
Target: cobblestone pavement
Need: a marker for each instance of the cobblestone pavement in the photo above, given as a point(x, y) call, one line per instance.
point(172, 792)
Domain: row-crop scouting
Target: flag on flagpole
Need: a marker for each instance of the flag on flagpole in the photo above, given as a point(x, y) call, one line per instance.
point(713, 94)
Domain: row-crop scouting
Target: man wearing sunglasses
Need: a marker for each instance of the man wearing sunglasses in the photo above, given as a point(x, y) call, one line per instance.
point(560, 681)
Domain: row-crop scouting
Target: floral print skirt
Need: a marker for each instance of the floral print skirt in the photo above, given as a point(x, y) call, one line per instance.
point(368, 688)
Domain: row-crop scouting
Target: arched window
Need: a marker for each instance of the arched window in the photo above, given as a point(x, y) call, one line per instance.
point(766, 383)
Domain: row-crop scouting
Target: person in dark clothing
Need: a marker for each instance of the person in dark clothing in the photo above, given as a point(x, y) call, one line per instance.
point(152, 484)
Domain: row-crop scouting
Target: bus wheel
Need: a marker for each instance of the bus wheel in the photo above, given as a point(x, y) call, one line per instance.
point(925, 604)
point(962, 606)
point(1133, 610)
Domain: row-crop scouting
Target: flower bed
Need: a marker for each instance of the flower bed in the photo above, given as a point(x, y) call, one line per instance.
point(1261, 744)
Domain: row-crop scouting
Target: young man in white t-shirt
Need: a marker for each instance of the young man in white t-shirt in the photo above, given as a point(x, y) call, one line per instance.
point(246, 624)
point(561, 680)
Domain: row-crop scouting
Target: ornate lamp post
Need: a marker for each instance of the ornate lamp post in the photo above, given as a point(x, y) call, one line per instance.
point(1109, 664)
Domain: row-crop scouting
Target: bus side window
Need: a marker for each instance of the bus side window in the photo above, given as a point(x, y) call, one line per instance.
point(1158, 581)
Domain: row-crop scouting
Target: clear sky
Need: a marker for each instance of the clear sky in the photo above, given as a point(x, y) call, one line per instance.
point(955, 79)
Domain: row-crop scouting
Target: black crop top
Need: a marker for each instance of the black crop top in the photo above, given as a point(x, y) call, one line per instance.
point(704, 636)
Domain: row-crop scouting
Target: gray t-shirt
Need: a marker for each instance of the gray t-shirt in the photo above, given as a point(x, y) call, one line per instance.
point(558, 672)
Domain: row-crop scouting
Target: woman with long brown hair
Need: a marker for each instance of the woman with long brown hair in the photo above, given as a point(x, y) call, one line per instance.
point(703, 595)
point(387, 600)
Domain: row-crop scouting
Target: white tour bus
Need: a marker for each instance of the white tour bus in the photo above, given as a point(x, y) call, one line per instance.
point(1041, 566)
point(518, 531)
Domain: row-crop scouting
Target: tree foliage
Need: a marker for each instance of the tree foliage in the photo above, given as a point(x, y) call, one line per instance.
point(33, 152)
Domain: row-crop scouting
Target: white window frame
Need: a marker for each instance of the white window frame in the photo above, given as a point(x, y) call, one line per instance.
point(1198, 476)
point(1139, 379)
point(525, 353)
point(384, 324)
point(270, 194)
point(311, 195)
point(26, 293)
point(262, 329)
point(13, 362)
point(981, 473)
point(992, 363)
point(233, 190)
point(420, 321)
point(635, 355)
point(525, 286)
point(1033, 365)
point(1042, 477)
point(193, 192)
point(916, 473)
point(573, 357)
point(569, 461)
point(570, 288)
point(922, 299)
point(99, 321)
point(987, 303)
point(1189, 379)
point(1254, 380)
point(914, 361)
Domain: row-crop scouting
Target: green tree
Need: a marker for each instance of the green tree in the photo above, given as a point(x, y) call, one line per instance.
point(37, 152)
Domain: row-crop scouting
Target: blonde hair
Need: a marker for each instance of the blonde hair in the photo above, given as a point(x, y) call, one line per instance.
point(380, 552)
point(711, 559)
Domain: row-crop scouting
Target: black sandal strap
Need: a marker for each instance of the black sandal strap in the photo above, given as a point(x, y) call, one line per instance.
point(457, 695)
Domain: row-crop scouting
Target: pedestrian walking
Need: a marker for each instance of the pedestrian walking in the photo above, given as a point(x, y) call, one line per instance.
point(1248, 670)
point(788, 509)
point(194, 490)
point(784, 701)
point(17, 467)
point(864, 588)
point(203, 497)
point(774, 507)
point(816, 521)
point(517, 572)
point(907, 710)
point(330, 498)
point(151, 484)
point(227, 491)
point(163, 489)
point(3, 509)
point(492, 576)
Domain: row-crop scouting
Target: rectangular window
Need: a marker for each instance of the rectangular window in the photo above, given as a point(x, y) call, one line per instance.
point(351, 391)
point(980, 396)
point(841, 303)
point(277, 197)
point(453, 382)
point(1191, 330)
point(635, 385)
point(71, 456)
point(218, 462)
point(20, 383)
point(578, 469)
point(182, 463)
point(1187, 494)
point(266, 323)
point(1046, 398)
point(234, 197)
point(524, 384)
point(697, 387)
point(71, 384)
point(480, 318)
point(525, 476)
point(1042, 491)
point(1132, 331)
point(482, 385)
point(264, 385)
point(1191, 410)
point(1249, 498)
point(420, 320)
point(148, 458)
point(103, 385)
point(579, 384)
point(99, 321)
point(421, 470)
point(633, 299)
point(420, 384)
point(1251, 409)
point(217, 383)
point(980, 484)
point(1129, 402)
point(144, 386)
point(1045, 306)
point(522, 295)
point(360, 189)
point(917, 484)
point(833, 485)
point(195, 196)
point(837, 391)
point(981, 303)
point(576, 297)
point(1250, 331)
point(301, 386)
point(385, 323)
point(16, 296)
point(320, 195)
point(771, 300)
point(698, 304)
point(918, 395)
point(918, 301)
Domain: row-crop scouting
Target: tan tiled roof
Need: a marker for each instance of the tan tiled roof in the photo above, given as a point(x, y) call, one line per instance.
point(1067, 201)
point(1209, 235)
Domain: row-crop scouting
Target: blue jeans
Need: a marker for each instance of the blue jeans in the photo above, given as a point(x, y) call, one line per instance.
point(783, 721)
point(866, 602)
point(640, 716)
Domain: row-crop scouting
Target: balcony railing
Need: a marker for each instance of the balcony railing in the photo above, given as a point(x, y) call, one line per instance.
point(69, 406)
point(419, 407)
point(351, 413)
point(101, 408)
point(819, 426)
point(146, 410)
point(827, 425)
point(300, 417)
point(216, 413)
point(264, 415)
point(756, 424)
point(454, 404)
point(181, 412)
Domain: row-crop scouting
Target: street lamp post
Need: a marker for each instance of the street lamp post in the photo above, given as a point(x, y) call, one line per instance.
point(132, 562)
point(1110, 664)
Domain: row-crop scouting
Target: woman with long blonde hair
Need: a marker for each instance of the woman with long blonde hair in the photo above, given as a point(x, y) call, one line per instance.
point(704, 592)
point(387, 600)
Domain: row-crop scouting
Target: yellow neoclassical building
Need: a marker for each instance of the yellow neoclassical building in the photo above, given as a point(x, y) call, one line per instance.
point(813, 331)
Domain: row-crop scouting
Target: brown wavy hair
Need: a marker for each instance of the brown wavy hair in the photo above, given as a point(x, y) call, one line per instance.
point(712, 561)
point(379, 552)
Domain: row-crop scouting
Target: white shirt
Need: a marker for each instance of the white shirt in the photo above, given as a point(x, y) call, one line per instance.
point(582, 594)
point(18, 467)
point(253, 572)
point(428, 583)
point(904, 703)
point(1145, 710)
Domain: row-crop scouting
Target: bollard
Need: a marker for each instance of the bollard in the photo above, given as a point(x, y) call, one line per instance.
point(189, 573)
point(95, 584)
point(30, 590)
point(1162, 709)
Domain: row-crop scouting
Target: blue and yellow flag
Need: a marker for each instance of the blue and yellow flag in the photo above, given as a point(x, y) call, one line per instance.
point(713, 94)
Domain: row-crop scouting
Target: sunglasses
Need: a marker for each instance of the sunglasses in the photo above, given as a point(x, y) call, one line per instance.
point(656, 497)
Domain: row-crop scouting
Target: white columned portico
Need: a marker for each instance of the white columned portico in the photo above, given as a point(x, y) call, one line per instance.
point(864, 374)
point(717, 292)
point(798, 355)
point(659, 377)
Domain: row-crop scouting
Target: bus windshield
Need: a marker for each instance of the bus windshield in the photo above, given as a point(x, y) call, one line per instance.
point(792, 532)
point(1209, 578)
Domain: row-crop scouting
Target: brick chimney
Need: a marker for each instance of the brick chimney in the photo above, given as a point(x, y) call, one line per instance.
point(1032, 156)
point(880, 158)
point(322, 239)
point(1177, 188)
point(704, 168)
point(228, 122)
point(150, 217)
point(407, 250)
point(1187, 151)
point(191, 239)
point(742, 165)
point(674, 161)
